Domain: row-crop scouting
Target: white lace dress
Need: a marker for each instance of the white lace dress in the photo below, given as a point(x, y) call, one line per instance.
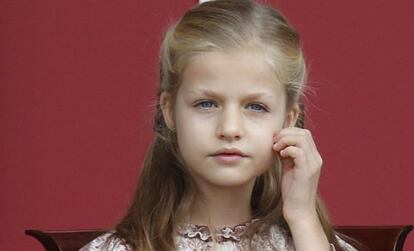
point(198, 238)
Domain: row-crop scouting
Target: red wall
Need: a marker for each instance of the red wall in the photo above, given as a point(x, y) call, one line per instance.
point(78, 81)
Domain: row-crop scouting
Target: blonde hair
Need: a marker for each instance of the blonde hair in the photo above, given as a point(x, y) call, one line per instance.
point(165, 187)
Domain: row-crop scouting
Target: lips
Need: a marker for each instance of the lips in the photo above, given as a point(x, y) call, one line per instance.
point(229, 156)
point(230, 152)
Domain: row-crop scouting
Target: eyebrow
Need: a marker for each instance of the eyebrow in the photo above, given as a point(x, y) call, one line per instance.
point(218, 95)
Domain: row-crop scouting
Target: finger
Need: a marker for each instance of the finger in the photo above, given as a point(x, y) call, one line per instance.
point(310, 147)
point(306, 134)
point(289, 131)
point(297, 154)
point(292, 140)
point(292, 131)
point(292, 154)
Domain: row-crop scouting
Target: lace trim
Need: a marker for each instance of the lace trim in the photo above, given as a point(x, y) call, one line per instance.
point(222, 234)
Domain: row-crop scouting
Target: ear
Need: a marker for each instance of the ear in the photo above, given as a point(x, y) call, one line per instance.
point(292, 115)
point(167, 109)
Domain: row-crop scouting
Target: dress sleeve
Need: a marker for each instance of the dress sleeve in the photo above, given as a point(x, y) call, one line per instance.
point(106, 242)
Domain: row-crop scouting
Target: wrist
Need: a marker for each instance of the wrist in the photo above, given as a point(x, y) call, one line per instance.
point(303, 220)
point(308, 233)
point(294, 216)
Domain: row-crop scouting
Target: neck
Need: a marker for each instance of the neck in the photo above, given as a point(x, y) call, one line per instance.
point(222, 206)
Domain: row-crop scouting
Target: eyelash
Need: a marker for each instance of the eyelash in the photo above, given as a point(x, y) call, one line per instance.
point(262, 107)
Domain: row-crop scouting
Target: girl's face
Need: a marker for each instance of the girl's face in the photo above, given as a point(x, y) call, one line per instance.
point(230, 102)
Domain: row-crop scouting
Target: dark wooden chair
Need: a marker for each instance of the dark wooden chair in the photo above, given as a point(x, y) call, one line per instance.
point(374, 238)
point(377, 238)
point(68, 240)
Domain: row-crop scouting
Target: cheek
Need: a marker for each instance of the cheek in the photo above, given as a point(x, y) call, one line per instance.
point(263, 141)
point(192, 134)
point(266, 128)
point(265, 147)
point(189, 126)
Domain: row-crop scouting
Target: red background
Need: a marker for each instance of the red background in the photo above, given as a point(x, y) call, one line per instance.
point(78, 81)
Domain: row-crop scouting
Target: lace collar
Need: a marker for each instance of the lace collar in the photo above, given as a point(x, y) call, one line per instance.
point(222, 234)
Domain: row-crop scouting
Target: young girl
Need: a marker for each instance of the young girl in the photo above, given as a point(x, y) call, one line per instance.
point(231, 167)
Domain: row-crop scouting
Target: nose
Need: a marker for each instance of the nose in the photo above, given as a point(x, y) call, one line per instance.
point(230, 125)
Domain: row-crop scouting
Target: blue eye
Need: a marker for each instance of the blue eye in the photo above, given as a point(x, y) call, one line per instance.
point(258, 108)
point(205, 104)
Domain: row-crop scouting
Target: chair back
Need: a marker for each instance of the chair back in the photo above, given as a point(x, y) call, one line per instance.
point(71, 240)
point(377, 238)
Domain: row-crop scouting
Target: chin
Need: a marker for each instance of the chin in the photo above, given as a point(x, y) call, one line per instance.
point(231, 180)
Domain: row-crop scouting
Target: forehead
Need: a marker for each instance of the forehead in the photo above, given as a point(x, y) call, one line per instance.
point(236, 72)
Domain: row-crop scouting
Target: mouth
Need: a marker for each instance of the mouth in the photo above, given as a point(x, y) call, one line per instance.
point(229, 152)
point(229, 156)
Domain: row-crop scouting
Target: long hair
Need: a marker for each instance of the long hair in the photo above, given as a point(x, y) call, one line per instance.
point(165, 188)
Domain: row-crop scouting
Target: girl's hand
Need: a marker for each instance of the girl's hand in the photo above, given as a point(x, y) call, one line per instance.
point(301, 167)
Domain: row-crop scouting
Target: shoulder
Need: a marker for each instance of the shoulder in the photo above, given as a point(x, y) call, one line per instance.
point(106, 242)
